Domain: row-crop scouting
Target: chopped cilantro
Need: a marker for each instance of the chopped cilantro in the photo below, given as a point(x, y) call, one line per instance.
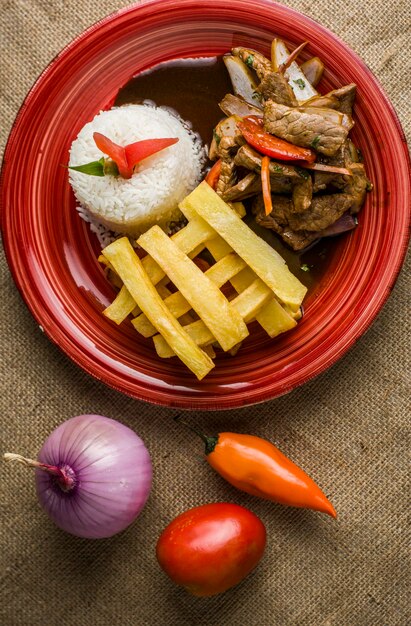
point(217, 137)
point(249, 60)
point(305, 267)
point(300, 83)
point(302, 172)
point(315, 142)
point(277, 168)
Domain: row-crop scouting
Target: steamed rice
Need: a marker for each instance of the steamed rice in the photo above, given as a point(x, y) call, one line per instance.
point(160, 182)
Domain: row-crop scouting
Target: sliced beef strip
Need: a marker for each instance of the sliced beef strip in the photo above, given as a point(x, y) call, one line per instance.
point(357, 186)
point(227, 175)
point(283, 178)
point(324, 211)
point(277, 221)
point(281, 174)
point(248, 186)
point(228, 146)
point(303, 129)
point(274, 86)
point(345, 97)
point(302, 194)
point(341, 99)
point(253, 59)
point(324, 180)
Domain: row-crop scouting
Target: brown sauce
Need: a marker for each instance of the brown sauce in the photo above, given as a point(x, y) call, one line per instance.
point(193, 88)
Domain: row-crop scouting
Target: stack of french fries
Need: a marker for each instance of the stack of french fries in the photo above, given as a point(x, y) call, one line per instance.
point(189, 322)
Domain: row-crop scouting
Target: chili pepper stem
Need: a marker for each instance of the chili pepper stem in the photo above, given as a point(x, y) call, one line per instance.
point(210, 442)
point(65, 480)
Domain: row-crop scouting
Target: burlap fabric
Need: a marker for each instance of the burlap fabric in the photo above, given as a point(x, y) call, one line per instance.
point(349, 427)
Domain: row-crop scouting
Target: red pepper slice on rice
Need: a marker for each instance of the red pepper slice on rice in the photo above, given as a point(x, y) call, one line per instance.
point(128, 156)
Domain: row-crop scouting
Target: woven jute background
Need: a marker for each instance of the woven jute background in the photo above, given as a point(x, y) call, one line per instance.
point(349, 428)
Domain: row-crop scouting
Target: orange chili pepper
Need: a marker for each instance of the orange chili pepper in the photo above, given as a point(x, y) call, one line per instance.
point(266, 184)
point(259, 468)
point(214, 174)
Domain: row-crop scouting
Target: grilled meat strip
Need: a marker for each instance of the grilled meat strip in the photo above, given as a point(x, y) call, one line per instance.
point(273, 85)
point(248, 186)
point(227, 176)
point(308, 130)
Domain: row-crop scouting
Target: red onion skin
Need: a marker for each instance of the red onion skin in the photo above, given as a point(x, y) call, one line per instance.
point(110, 472)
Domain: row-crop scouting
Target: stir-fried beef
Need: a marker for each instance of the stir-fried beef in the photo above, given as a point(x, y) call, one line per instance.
point(278, 222)
point(308, 130)
point(228, 146)
point(253, 59)
point(357, 186)
point(247, 187)
point(345, 97)
point(306, 203)
point(227, 175)
point(274, 86)
point(302, 194)
point(324, 210)
point(251, 159)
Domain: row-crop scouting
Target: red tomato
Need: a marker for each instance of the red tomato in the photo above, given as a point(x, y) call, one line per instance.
point(211, 548)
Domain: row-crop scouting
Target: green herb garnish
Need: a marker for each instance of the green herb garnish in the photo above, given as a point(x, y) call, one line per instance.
point(249, 60)
point(300, 83)
point(95, 168)
point(302, 172)
point(216, 136)
point(102, 167)
point(305, 267)
point(277, 168)
point(315, 142)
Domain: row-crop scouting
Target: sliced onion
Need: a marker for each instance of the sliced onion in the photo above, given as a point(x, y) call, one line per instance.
point(345, 223)
point(242, 79)
point(301, 86)
point(313, 69)
point(323, 167)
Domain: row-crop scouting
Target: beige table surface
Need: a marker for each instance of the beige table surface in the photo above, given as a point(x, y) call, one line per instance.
point(349, 427)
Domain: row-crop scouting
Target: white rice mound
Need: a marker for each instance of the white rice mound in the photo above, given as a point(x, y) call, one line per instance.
point(160, 182)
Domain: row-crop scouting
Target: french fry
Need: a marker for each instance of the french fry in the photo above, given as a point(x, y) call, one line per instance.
point(258, 254)
point(273, 318)
point(121, 307)
point(247, 303)
point(125, 261)
point(205, 298)
point(219, 274)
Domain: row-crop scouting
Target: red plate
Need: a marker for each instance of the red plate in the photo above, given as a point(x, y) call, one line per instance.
point(52, 254)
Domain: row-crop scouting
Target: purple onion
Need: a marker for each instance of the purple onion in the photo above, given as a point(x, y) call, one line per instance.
point(93, 476)
point(345, 223)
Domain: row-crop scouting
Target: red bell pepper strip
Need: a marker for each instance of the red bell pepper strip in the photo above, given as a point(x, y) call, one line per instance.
point(136, 152)
point(214, 174)
point(115, 152)
point(253, 132)
point(266, 185)
point(127, 157)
